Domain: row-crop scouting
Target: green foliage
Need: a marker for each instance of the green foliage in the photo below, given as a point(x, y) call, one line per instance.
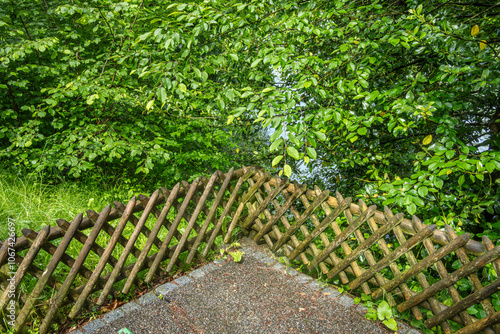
point(90, 89)
point(397, 100)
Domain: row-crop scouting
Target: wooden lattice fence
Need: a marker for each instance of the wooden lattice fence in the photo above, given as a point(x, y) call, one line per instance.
point(440, 277)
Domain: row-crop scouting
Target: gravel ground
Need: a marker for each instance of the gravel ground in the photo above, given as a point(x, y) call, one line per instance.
point(247, 297)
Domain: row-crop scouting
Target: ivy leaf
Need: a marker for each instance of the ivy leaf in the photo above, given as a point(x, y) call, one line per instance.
point(384, 311)
point(391, 324)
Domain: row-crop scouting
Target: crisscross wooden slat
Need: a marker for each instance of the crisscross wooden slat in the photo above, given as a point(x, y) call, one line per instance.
point(149, 242)
point(473, 279)
point(280, 211)
point(343, 236)
point(42, 282)
point(412, 242)
point(192, 221)
point(323, 226)
point(210, 215)
point(227, 208)
point(25, 264)
point(265, 203)
point(443, 273)
point(286, 236)
point(126, 251)
point(63, 291)
point(171, 232)
point(452, 278)
point(263, 178)
point(115, 236)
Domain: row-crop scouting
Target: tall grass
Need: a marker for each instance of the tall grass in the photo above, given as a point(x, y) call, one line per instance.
point(31, 202)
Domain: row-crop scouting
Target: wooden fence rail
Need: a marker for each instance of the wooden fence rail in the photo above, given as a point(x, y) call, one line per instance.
point(446, 280)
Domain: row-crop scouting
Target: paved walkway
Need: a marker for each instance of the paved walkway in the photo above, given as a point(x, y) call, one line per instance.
point(258, 295)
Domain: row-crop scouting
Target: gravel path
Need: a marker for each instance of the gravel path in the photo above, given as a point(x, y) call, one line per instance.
point(247, 297)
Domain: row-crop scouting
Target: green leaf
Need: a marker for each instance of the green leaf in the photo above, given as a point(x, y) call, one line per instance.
point(276, 160)
point(287, 170)
point(362, 131)
point(307, 84)
point(197, 72)
point(149, 105)
point(391, 324)
point(384, 311)
point(256, 62)
point(182, 88)
point(427, 140)
point(394, 41)
point(162, 94)
point(275, 145)
point(423, 191)
point(411, 208)
point(292, 151)
point(311, 152)
point(28, 143)
point(321, 136)
point(268, 89)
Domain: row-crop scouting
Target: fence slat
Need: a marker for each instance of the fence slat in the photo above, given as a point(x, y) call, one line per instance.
point(323, 226)
point(104, 258)
point(251, 209)
point(171, 232)
point(42, 282)
point(282, 184)
point(468, 301)
point(128, 248)
point(149, 243)
point(227, 208)
point(275, 230)
point(23, 267)
point(263, 178)
point(210, 215)
point(280, 211)
point(286, 236)
point(412, 242)
point(365, 245)
point(343, 235)
point(63, 291)
point(192, 221)
point(452, 278)
point(419, 267)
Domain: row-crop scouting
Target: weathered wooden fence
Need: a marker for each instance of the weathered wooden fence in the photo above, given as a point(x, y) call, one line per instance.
point(441, 277)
